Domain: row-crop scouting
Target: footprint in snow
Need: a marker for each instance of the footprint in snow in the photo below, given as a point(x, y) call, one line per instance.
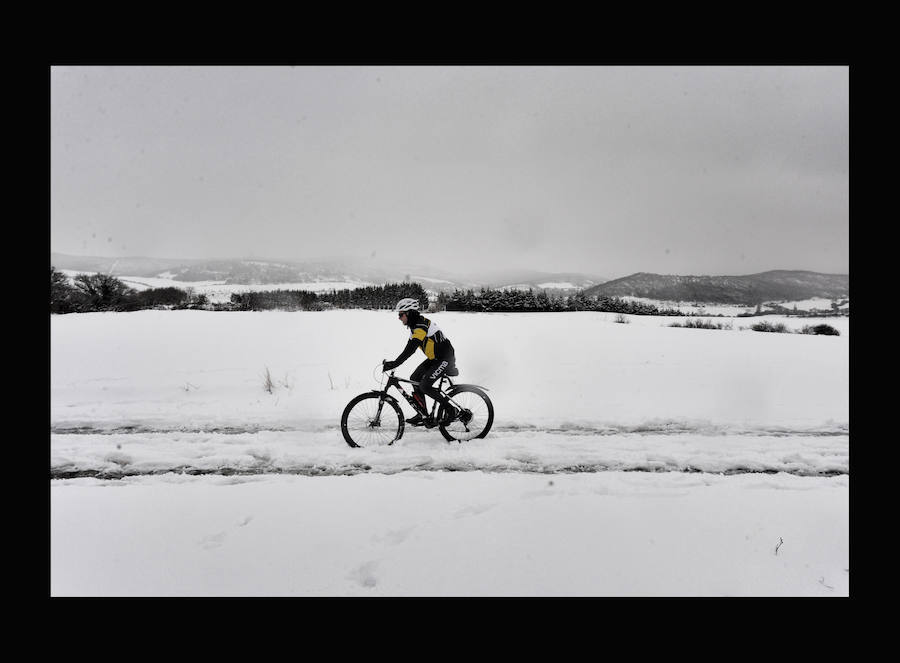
point(211, 541)
point(365, 575)
point(474, 510)
point(534, 494)
point(394, 537)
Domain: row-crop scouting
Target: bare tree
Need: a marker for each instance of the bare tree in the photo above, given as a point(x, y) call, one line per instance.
point(60, 292)
point(100, 292)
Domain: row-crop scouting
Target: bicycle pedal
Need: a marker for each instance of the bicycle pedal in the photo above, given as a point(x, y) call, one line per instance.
point(416, 420)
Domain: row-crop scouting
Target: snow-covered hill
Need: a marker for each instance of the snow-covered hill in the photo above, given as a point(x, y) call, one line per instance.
point(746, 290)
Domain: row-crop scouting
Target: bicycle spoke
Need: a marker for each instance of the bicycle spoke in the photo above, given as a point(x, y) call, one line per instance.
point(366, 427)
point(473, 403)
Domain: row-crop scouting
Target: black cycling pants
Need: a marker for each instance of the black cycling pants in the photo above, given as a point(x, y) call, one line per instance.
point(430, 371)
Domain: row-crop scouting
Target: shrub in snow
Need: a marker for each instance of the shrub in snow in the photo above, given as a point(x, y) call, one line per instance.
point(766, 326)
point(702, 324)
point(154, 297)
point(827, 330)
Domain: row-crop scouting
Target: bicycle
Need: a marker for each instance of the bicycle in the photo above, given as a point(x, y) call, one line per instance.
point(365, 422)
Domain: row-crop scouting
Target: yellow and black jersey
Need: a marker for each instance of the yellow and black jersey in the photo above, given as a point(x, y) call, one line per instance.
point(428, 337)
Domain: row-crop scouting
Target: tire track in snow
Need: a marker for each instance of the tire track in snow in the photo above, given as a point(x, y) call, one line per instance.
point(507, 465)
point(113, 453)
point(352, 471)
point(648, 428)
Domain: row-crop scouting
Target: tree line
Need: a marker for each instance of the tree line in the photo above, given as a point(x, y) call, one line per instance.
point(368, 297)
point(488, 300)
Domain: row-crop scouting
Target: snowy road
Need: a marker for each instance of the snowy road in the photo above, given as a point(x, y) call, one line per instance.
point(320, 450)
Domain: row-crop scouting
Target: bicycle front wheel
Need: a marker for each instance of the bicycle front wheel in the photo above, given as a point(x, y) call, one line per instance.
point(475, 417)
point(369, 421)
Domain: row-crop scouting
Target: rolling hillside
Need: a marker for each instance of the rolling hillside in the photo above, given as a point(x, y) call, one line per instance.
point(351, 271)
point(776, 285)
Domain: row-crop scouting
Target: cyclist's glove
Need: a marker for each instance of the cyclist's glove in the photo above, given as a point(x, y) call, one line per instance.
point(390, 365)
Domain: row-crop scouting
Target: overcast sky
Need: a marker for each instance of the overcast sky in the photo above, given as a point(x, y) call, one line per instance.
point(606, 170)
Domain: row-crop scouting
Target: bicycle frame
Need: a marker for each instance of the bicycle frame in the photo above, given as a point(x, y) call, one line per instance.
point(394, 381)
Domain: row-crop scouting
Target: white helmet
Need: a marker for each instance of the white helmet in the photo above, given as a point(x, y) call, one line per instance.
point(408, 304)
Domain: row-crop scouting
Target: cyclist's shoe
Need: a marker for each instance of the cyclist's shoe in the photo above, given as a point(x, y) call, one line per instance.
point(417, 420)
point(465, 416)
point(450, 413)
point(429, 422)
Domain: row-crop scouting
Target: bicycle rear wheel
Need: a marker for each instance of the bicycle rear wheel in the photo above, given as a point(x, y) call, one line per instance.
point(368, 421)
point(474, 420)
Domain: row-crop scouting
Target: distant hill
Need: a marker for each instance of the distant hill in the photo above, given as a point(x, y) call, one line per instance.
point(119, 266)
point(749, 290)
point(359, 271)
point(231, 271)
point(537, 280)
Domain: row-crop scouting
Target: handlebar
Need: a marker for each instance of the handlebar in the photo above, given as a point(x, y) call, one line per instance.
point(378, 372)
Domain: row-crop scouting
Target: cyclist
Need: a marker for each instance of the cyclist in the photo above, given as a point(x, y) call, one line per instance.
point(428, 337)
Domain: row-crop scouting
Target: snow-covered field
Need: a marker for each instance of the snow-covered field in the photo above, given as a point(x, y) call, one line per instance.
point(625, 459)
